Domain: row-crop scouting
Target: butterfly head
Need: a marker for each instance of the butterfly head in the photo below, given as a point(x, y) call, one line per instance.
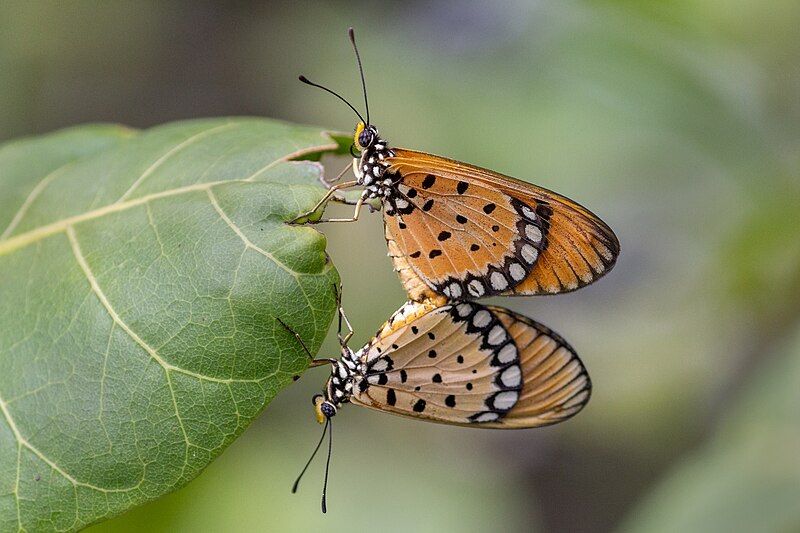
point(338, 388)
point(365, 136)
point(324, 408)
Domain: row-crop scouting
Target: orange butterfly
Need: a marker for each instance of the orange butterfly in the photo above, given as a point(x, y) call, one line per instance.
point(462, 364)
point(457, 231)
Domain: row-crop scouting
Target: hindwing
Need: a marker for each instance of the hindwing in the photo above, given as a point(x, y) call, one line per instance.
point(467, 364)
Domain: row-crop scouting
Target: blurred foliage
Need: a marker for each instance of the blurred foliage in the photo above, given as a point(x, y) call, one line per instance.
point(678, 122)
point(746, 477)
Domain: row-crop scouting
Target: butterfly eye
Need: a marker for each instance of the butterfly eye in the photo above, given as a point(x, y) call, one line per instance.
point(327, 409)
point(366, 137)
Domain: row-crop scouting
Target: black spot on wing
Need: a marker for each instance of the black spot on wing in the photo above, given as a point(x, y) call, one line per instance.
point(407, 210)
point(544, 210)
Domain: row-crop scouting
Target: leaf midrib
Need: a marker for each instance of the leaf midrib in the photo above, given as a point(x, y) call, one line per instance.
point(24, 239)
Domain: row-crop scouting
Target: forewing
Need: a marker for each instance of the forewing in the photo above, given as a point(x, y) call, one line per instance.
point(454, 364)
point(468, 232)
point(463, 238)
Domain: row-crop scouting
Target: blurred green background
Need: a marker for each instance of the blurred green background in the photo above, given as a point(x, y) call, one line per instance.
point(678, 122)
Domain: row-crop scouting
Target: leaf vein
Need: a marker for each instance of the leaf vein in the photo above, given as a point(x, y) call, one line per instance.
point(247, 242)
point(174, 150)
point(34, 194)
point(37, 234)
point(127, 329)
point(23, 443)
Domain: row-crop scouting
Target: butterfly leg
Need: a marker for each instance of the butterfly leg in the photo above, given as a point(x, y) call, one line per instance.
point(323, 201)
point(343, 340)
point(329, 183)
point(359, 203)
point(341, 199)
point(345, 201)
point(314, 362)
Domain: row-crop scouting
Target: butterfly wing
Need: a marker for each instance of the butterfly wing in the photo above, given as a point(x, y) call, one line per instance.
point(466, 232)
point(460, 364)
point(556, 384)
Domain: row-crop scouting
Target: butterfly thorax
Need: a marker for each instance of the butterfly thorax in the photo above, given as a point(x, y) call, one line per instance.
point(370, 167)
point(345, 372)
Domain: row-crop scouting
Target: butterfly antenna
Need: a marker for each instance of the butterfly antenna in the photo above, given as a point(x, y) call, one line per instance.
point(327, 466)
point(313, 454)
point(337, 95)
point(352, 35)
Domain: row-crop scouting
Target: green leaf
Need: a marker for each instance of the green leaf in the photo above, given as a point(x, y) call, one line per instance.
point(141, 276)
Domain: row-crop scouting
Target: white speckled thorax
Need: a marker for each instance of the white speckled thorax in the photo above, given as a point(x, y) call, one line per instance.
point(344, 373)
point(370, 168)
